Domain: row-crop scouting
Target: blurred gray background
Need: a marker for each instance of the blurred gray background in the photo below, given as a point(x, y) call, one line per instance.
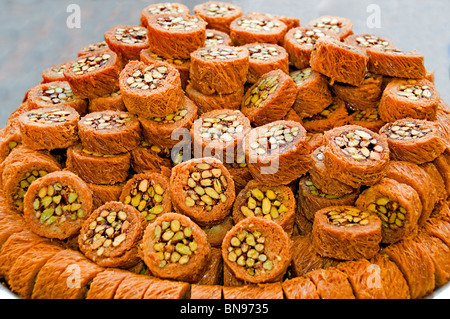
point(34, 33)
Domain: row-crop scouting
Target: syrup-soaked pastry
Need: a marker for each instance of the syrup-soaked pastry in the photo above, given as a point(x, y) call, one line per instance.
point(300, 42)
point(334, 115)
point(219, 134)
point(206, 291)
point(148, 157)
point(439, 228)
point(172, 8)
point(174, 247)
point(127, 41)
point(219, 69)
point(55, 72)
point(313, 94)
point(49, 128)
point(442, 163)
point(239, 171)
point(147, 192)
point(202, 189)
point(110, 236)
point(259, 291)
point(311, 199)
point(218, 15)
point(212, 275)
point(175, 36)
point(55, 94)
point(105, 283)
point(278, 152)
point(291, 22)
point(413, 140)
point(217, 232)
point(341, 26)
point(257, 27)
point(112, 101)
point(101, 194)
point(416, 265)
point(299, 288)
point(331, 283)
point(94, 75)
point(339, 61)
point(257, 250)
point(396, 63)
point(11, 223)
point(165, 131)
point(398, 205)
point(275, 203)
point(265, 57)
point(366, 41)
point(56, 205)
point(151, 89)
point(368, 118)
point(403, 98)
point(346, 233)
point(109, 132)
point(270, 98)
point(437, 181)
point(362, 97)
point(443, 120)
point(216, 37)
point(96, 47)
point(97, 168)
point(355, 155)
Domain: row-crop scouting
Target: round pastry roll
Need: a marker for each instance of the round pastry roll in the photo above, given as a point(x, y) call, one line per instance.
point(127, 41)
point(94, 75)
point(334, 115)
point(368, 118)
point(109, 132)
point(278, 152)
point(49, 128)
point(257, 27)
point(341, 26)
point(174, 247)
point(257, 250)
point(56, 205)
point(149, 193)
point(101, 194)
point(216, 37)
point(269, 98)
point(366, 41)
point(412, 140)
point(151, 89)
point(93, 47)
point(346, 233)
point(217, 14)
point(219, 69)
point(112, 101)
point(219, 134)
point(413, 98)
point(398, 205)
point(148, 157)
point(111, 234)
point(275, 203)
point(355, 155)
point(55, 72)
point(172, 8)
point(202, 189)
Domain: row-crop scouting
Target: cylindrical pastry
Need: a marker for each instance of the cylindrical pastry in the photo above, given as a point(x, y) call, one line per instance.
point(56, 93)
point(366, 41)
point(109, 132)
point(55, 72)
point(105, 284)
point(299, 288)
point(174, 247)
point(172, 8)
point(56, 205)
point(101, 194)
point(98, 168)
point(331, 283)
point(412, 140)
point(334, 115)
point(257, 250)
point(172, 36)
point(148, 193)
point(151, 89)
point(341, 26)
point(110, 236)
point(260, 291)
point(202, 189)
point(368, 118)
point(269, 98)
point(49, 128)
point(93, 47)
point(321, 178)
point(416, 265)
point(313, 94)
point(148, 157)
point(404, 98)
point(219, 69)
point(257, 27)
point(278, 152)
point(442, 163)
point(311, 198)
point(339, 61)
point(275, 203)
point(300, 42)
point(217, 14)
point(265, 57)
point(291, 22)
point(127, 41)
point(217, 232)
point(212, 275)
point(219, 134)
point(94, 75)
point(216, 37)
point(346, 233)
point(112, 101)
point(355, 155)
point(207, 103)
point(393, 62)
point(206, 291)
point(398, 205)
point(20, 170)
